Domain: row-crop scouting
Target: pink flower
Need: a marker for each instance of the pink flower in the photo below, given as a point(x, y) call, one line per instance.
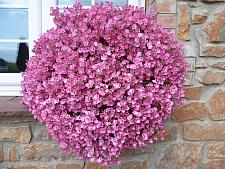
point(104, 79)
point(149, 45)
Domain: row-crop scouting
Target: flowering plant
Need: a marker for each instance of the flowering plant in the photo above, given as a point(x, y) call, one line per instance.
point(104, 79)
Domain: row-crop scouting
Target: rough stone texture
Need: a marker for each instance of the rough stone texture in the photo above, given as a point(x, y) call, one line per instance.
point(189, 79)
point(201, 63)
point(95, 166)
point(191, 64)
point(209, 131)
point(135, 165)
point(190, 50)
point(148, 4)
point(193, 93)
point(39, 132)
point(13, 154)
point(15, 134)
point(215, 26)
point(68, 166)
point(189, 112)
point(29, 167)
point(166, 6)
point(213, 1)
point(170, 134)
point(220, 65)
point(217, 103)
point(199, 16)
point(219, 164)
point(195, 4)
point(42, 152)
point(216, 150)
point(212, 77)
point(183, 21)
point(166, 20)
point(212, 50)
point(181, 155)
point(68, 156)
point(199, 35)
point(11, 106)
point(1, 154)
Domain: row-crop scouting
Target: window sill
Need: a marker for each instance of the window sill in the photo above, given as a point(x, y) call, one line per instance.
point(11, 107)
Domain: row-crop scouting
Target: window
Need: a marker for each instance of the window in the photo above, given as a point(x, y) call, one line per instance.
point(22, 21)
point(19, 27)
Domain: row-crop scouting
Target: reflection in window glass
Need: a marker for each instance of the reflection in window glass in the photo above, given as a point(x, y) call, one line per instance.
point(115, 2)
point(71, 2)
point(14, 24)
point(14, 2)
point(13, 57)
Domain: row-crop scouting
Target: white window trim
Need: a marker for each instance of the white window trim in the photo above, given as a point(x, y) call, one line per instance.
point(39, 20)
point(14, 6)
point(10, 82)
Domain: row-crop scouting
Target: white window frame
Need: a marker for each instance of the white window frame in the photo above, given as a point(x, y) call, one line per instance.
point(39, 20)
point(10, 82)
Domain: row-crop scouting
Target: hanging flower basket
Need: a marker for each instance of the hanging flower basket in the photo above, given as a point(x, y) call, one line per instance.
point(104, 79)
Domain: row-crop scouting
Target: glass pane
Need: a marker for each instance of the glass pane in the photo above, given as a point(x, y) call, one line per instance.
point(115, 2)
point(13, 57)
point(71, 2)
point(14, 2)
point(14, 23)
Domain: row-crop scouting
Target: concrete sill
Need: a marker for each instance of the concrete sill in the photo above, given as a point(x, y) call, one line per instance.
point(11, 107)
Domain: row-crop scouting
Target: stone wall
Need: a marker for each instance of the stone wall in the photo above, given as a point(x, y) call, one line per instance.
point(195, 133)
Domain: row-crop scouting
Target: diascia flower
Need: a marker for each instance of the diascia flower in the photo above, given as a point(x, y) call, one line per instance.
point(104, 79)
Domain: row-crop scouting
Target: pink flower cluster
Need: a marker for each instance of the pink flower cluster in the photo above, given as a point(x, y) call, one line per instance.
point(104, 79)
